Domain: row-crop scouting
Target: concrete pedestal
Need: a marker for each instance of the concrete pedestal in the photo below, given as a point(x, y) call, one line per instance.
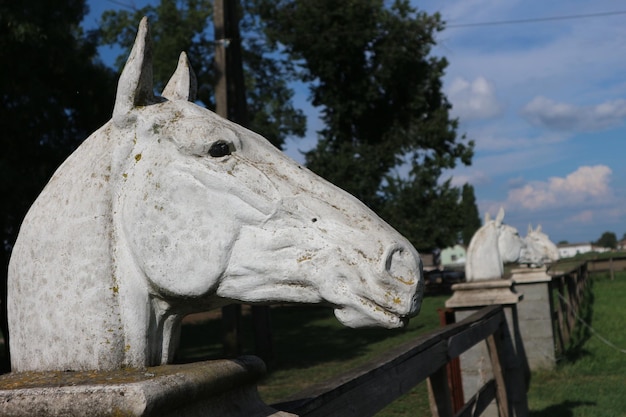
point(535, 316)
point(475, 364)
point(221, 388)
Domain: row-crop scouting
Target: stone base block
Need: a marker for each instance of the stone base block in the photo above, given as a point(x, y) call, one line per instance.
point(535, 316)
point(483, 293)
point(224, 388)
point(530, 275)
point(475, 363)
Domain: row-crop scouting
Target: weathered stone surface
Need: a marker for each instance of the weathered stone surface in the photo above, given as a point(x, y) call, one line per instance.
point(483, 293)
point(169, 209)
point(205, 389)
point(535, 316)
point(491, 246)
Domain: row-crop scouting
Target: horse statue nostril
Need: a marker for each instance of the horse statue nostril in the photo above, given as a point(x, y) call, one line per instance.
point(402, 265)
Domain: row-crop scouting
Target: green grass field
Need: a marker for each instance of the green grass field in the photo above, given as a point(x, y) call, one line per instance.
point(311, 346)
point(592, 382)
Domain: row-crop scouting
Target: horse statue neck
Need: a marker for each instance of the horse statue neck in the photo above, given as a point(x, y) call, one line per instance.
point(483, 258)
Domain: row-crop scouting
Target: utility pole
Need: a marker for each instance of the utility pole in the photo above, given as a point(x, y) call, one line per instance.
point(230, 103)
point(226, 41)
point(230, 90)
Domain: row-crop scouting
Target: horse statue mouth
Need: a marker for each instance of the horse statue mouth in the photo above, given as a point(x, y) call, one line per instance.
point(352, 317)
point(368, 313)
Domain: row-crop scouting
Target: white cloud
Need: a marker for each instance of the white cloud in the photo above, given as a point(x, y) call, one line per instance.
point(544, 112)
point(585, 216)
point(585, 185)
point(473, 100)
point(469, 176)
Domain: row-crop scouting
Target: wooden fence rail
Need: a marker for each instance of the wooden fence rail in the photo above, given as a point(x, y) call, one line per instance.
point(371, 387)
point(612, 264)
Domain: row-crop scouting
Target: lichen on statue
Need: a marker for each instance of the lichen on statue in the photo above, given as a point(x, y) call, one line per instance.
point(169, 209)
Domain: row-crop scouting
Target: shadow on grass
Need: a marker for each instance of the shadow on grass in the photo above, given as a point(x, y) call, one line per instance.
point(565, 409)
point(302, 344)
point(302, 336)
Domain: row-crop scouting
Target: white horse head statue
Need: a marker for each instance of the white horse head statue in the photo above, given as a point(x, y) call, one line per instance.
point(493, 245)
point(170, 209)
point(539, 248)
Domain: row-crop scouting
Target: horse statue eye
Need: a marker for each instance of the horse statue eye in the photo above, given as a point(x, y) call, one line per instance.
point(219, 149)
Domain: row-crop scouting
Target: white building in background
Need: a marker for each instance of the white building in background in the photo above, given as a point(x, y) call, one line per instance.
point(453, 256)
point(568, 250)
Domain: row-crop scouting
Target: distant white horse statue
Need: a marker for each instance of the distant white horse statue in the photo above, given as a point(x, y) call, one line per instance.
point(539, 248)
point(494, 244)
point(170, 209)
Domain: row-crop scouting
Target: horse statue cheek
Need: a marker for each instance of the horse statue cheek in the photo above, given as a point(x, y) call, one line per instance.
point(170, 209)
point(181, 221)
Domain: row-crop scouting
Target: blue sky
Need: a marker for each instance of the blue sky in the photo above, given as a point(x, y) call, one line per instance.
point(544, 101)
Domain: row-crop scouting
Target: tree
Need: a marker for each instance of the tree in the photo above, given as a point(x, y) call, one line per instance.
point(607, 240)
point(186, 25)
point(388, 135)
point(53, 94)
point(469, 213)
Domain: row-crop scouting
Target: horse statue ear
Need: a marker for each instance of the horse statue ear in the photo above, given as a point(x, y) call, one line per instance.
point(135, 85)
point(487, 217)
point(183, 84)
point(538, 229)
point(530, 228)
point(500, 216)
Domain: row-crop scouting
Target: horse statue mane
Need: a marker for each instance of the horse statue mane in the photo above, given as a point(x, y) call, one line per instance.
point(169, 209)
point(494, 244)
point(539, 249)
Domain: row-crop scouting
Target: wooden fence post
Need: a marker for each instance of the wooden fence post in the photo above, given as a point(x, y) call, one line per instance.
point(562, 311)
point(455, 380)
point(494, 346)
point(439, 393)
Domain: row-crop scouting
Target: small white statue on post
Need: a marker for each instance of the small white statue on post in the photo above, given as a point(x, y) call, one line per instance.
point(493, 245)
point(539, 249)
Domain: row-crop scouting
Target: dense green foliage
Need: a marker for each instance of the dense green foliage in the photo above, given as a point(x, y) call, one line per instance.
point(178, 26)
point(607, 240)
point(53, 94)
point(469, 212)
point(388, 135)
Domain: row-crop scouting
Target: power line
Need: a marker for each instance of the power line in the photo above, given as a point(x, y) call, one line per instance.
point(536, 19)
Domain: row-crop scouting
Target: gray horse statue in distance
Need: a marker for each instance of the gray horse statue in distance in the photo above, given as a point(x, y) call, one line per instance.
point(169, 209)
point(539, 250)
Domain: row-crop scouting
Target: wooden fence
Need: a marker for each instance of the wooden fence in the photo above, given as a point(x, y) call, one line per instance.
point(368, 389)
point(610, 265)
point(568, 295)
